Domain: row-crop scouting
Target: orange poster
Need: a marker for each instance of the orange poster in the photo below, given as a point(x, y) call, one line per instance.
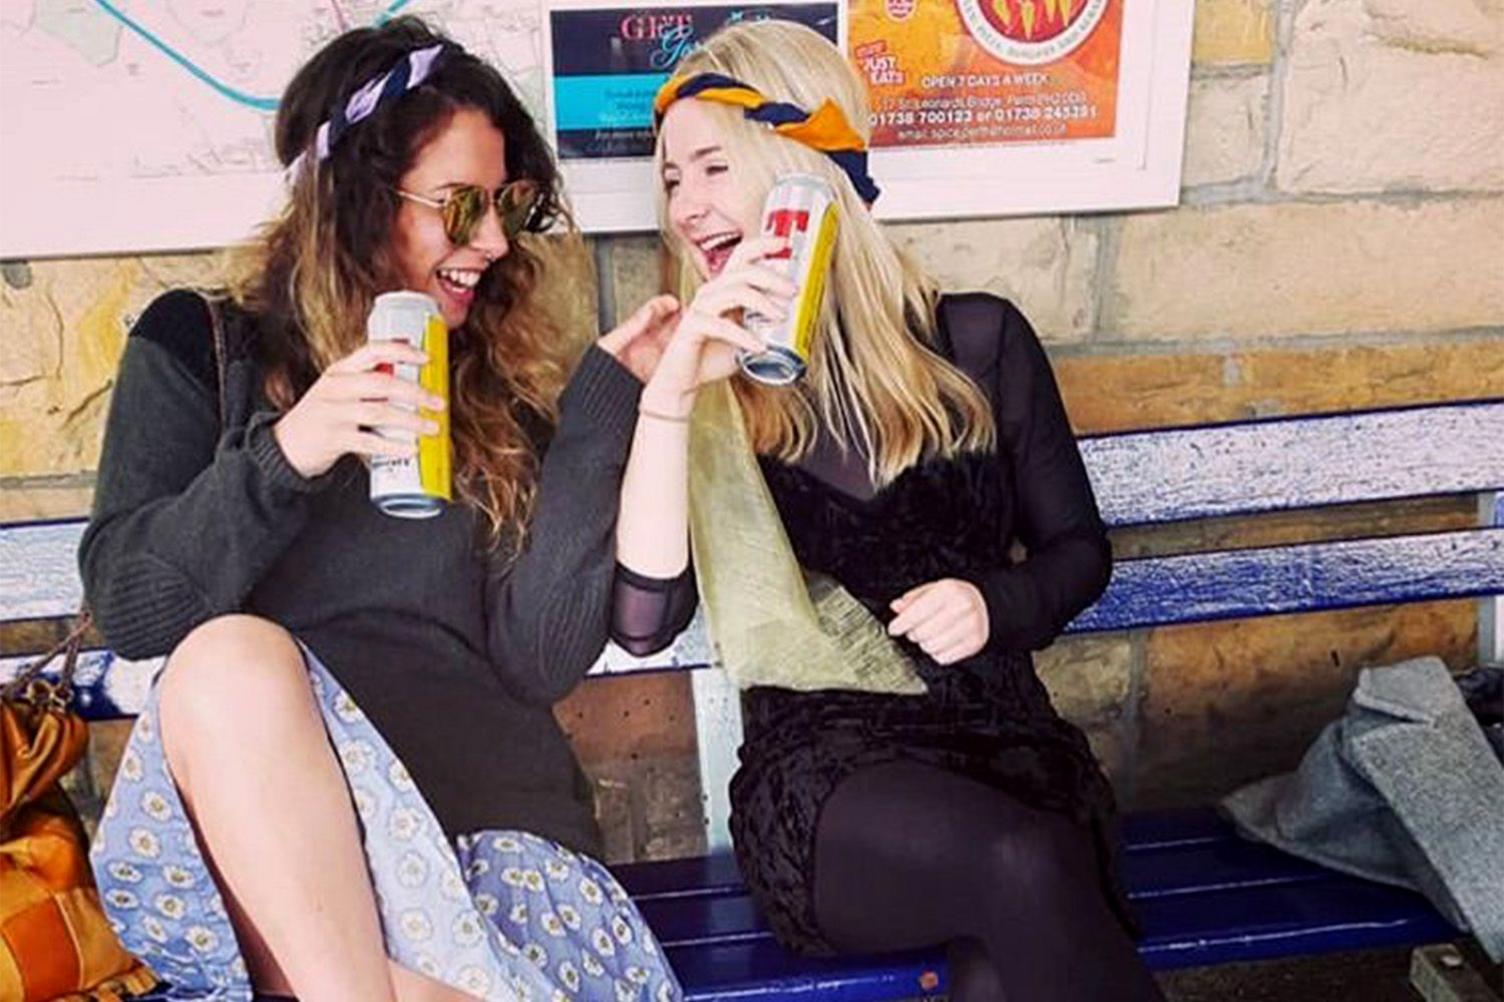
point(988, 72)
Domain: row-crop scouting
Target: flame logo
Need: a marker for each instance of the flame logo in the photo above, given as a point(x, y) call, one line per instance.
point(1032, 20)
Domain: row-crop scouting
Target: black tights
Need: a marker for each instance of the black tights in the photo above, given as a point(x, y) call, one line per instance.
point(908, 856)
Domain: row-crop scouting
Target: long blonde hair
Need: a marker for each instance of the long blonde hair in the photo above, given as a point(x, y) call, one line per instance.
point(875, 380)
point(311, 274)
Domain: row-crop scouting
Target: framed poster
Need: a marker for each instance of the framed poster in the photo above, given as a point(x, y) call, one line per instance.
point(1003, 107)
point(979, 107)
point(606, 61)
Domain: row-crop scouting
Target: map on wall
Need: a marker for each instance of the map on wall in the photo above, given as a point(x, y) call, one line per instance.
point(138, 125)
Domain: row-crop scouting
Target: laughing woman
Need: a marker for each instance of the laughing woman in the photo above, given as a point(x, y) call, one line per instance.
point(348, 782)
point(925, 441)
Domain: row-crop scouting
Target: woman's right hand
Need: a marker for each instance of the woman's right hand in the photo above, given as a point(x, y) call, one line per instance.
point(704, 346)
point(352, 397)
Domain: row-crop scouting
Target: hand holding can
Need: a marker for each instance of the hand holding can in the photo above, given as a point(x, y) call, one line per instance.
point(417, 484)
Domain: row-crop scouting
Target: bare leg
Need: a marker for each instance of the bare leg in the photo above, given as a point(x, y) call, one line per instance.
point(248, 750)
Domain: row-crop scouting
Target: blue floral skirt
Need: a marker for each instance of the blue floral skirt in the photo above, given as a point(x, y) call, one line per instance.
point(497, 914)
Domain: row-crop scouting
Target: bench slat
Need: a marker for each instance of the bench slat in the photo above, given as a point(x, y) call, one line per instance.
point(764, 970)
point(1149, 592)
point(1301, 578)
point(1342, 913)
point(39, 570)
point(1304, 462)
point(1242, 468)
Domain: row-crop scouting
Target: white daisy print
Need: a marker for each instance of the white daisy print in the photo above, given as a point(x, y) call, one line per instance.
point(511, 876)
point(475, 980)
point(536, 953)
point(468, 929)
point(416, 924)
point(603, 943)
point(155, 805)
point(345, 708)
point(506, 843)
point(666, 992)
point(570, 976)
point(556, 870)
point(398, 776)
point(477, 867)
point(551, 924)
point(365, 803)
point(124, 872)
point(518, 914)
point(412, 870)
point(146, 728)
point(532, 880)
point(591, 891)
point(356, 756)
point(404, 823)
point(570, 915)
point(177, 877)
point(122, 899)
point(144, 842)
point(487, 904)
point(171, 906)
point(426, 964)
point(130, 766)
point(624, 991)
point(451, 886)
point(592, 966)
point(621, 929)
point(637, 975)
point(202, 939)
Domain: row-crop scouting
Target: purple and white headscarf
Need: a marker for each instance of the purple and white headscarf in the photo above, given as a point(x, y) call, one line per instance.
point(409, 72)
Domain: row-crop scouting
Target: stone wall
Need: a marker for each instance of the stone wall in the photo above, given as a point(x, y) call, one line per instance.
point(1337, 245)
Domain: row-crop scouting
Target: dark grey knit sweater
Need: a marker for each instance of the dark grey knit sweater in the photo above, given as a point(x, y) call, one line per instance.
point(455, 653)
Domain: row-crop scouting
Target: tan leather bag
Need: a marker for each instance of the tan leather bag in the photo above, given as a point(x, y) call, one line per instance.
point(55, 941)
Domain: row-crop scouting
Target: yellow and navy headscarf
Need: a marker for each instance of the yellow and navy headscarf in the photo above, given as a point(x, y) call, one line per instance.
point(825, 129)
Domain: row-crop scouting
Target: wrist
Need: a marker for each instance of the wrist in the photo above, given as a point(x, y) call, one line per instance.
point(666, 400)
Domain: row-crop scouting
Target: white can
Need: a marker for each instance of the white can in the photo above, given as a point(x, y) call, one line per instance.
point(415, 486)
point(802, 209)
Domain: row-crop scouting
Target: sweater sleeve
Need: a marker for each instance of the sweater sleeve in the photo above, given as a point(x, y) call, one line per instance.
point(187, 517)
point(1069, 559)
point(550, 604)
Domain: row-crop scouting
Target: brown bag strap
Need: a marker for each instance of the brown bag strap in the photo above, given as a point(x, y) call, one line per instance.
point(28, 685)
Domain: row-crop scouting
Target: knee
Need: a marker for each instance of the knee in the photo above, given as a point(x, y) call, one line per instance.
point(1036, 862)
point(231, 666)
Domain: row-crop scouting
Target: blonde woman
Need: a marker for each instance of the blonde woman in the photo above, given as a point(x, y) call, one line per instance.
point(927, 439)
point(348, 782)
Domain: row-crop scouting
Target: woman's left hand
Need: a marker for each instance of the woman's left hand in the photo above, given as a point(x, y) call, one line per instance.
point(946, 618)
point(638, 341)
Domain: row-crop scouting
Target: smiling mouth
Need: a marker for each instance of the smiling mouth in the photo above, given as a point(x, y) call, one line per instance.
point(460, 281)
point(717, 249)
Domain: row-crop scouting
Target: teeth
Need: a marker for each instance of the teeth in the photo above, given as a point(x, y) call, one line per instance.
point(718, 242)
point(464, 279)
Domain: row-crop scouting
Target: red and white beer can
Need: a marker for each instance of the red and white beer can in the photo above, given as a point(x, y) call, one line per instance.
point(801, 208)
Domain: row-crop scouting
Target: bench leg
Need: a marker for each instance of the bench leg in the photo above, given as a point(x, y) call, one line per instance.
point(1440, 973)
point(718, 731)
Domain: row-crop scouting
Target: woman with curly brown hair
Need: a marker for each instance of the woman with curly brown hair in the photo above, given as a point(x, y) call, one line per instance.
point(348, 782)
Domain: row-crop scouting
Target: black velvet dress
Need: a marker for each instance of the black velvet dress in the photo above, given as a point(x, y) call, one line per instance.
point(988, 717)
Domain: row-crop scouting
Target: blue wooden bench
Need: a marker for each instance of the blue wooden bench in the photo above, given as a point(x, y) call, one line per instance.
point(1204, 895)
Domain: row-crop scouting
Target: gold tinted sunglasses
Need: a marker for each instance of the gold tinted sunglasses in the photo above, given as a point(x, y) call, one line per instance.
point(464, 206)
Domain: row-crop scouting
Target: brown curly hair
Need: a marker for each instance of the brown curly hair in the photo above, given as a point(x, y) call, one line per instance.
point(312, 273)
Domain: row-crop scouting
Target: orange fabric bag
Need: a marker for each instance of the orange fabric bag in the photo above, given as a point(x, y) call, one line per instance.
point(55, 941)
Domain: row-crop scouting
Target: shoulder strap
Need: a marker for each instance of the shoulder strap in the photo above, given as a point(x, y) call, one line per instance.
point(221, 354)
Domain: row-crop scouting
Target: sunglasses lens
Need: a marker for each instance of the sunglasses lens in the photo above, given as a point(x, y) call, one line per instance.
point(462, 211)
point(515, 204)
